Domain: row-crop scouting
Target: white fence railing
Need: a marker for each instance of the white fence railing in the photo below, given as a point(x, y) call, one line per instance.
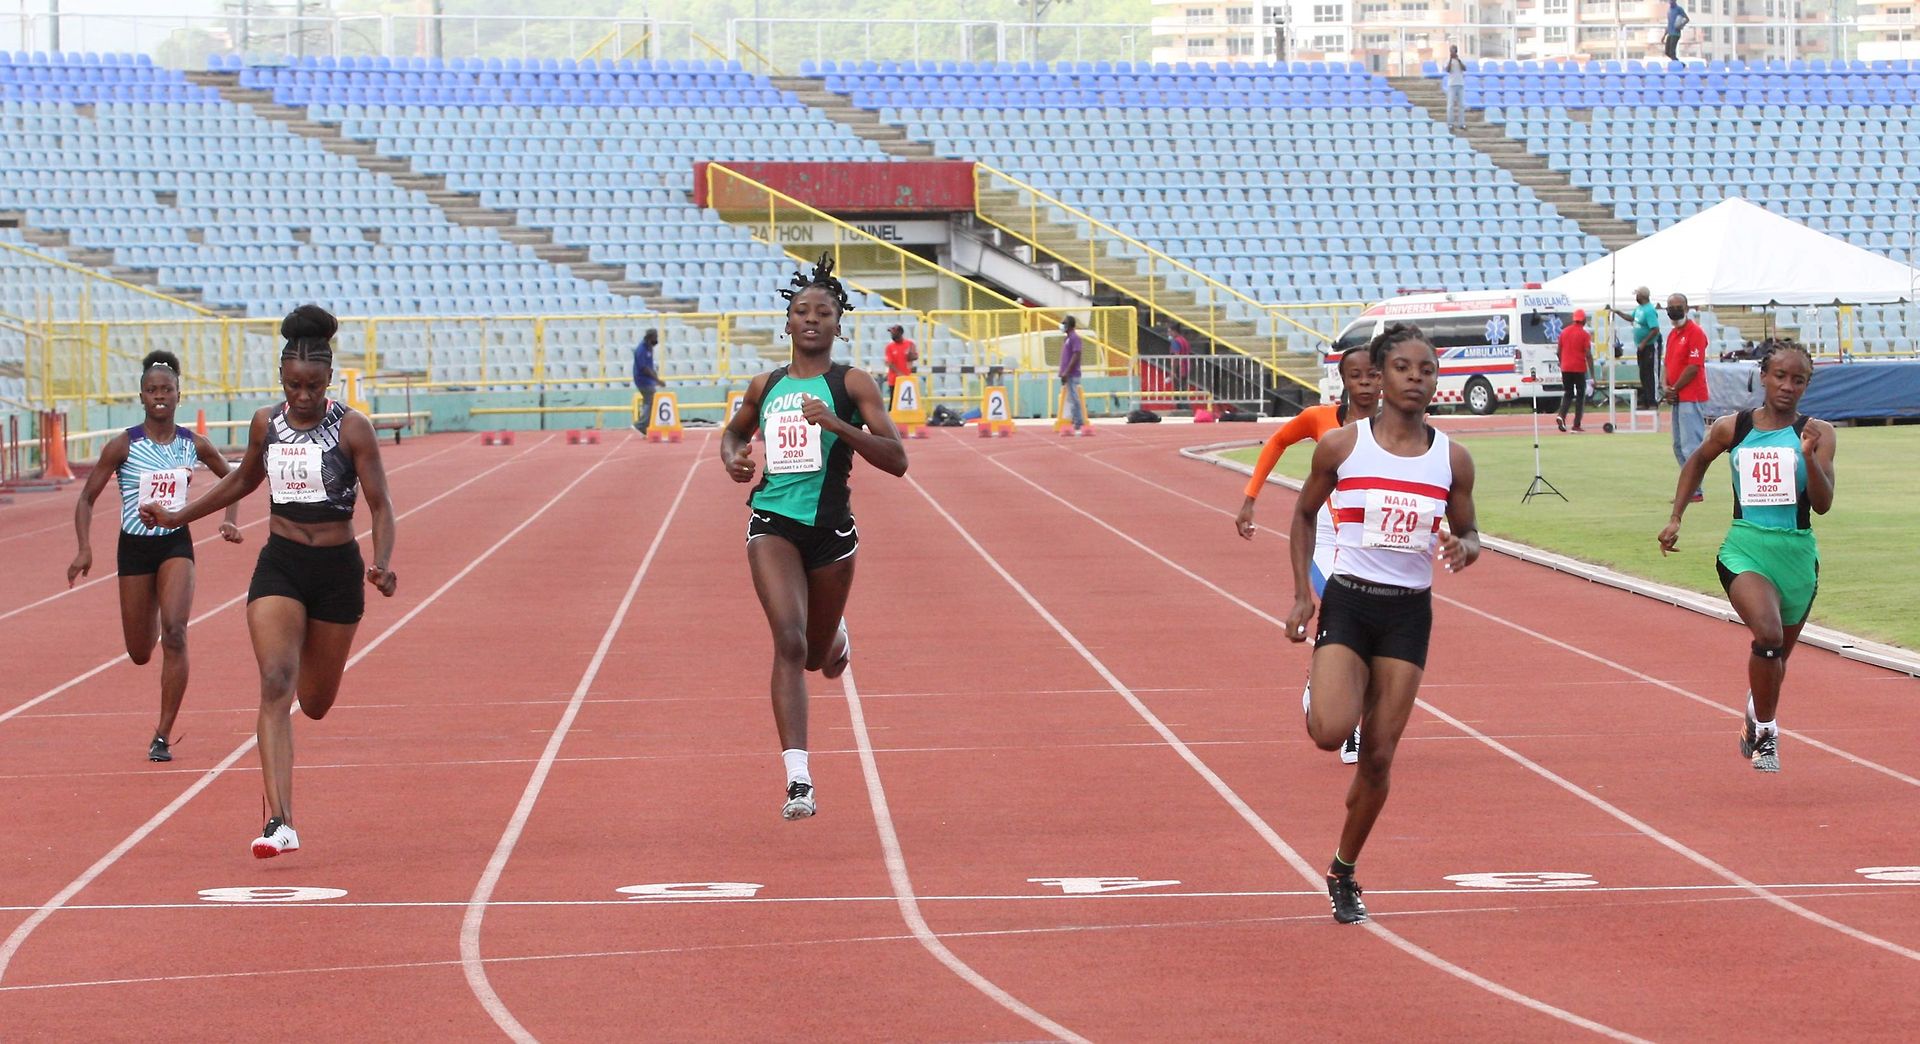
point(1391, 47)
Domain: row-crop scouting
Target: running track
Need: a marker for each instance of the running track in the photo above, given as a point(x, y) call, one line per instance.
point(1068, 674)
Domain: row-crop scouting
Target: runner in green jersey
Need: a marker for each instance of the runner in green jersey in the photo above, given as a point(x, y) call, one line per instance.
point(801, 538)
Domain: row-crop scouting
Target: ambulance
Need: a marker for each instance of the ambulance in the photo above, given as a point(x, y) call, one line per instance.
point(1495, 345)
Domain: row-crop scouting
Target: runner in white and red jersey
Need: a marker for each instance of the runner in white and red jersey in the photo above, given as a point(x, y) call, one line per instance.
point(1391, 480)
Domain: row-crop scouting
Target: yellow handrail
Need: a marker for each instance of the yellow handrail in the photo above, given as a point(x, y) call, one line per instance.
point(640, 46)
point(594, 51)
point(1159, 259)
point(764, 60)
point(89, 273)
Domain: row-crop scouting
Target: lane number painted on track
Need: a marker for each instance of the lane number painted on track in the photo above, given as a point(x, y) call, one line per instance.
point(275, 894)
point(1890, 873)
point(1097, 885)
point(692, 890)
point(1523, 879)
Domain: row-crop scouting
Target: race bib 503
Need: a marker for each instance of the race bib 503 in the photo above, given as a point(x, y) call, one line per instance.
point(793, 445)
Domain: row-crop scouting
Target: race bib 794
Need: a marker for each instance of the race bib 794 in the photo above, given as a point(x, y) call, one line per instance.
point(167, 487)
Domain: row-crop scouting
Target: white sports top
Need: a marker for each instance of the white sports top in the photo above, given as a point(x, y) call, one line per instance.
point(1387, 511)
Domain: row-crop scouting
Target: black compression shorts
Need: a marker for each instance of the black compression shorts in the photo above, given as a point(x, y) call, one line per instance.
point(142, 555)
point(819, 545)
point(1391, 622)
point(329, 581)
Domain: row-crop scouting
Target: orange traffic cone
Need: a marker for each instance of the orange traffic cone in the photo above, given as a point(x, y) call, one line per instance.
point(200, 423)
point(57, 469)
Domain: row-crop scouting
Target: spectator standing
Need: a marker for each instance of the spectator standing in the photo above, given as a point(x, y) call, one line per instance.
point(1456, 89)
point(1646, 345)
point(1677, 20)
point(646, 378)
point(1070, 373)
point(1182, 366)
point(901, 355)
point(1576, 360)
point(1686, 383)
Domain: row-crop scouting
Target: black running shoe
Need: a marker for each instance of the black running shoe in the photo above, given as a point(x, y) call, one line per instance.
point(1344, 892)
point(1747, 741)
point(157, 750)
point(1350, 748)
point(1766, 753)
point(799, 801)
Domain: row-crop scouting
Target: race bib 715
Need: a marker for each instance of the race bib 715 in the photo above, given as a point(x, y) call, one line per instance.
point(293, 473)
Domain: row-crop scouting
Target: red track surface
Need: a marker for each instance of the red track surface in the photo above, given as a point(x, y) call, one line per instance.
point(1145, 726)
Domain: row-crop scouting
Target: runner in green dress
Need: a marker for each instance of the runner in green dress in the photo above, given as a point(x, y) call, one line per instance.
point(1769, 562)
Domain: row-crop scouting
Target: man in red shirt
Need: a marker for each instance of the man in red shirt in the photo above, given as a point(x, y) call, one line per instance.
point(1686, 383)
point(1576, 358)
point(901, 355)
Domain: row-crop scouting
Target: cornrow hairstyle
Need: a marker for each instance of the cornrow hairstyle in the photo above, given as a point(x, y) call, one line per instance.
point(164, 360)
point(1385, 340)
point(309, 331)
point(822, 277)
point(1786, 346)
point(1351, 352)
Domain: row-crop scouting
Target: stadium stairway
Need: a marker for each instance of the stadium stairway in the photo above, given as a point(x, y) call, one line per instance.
point(461, 208)
point(1551, 186)
point(58, 243)
point(891, 139)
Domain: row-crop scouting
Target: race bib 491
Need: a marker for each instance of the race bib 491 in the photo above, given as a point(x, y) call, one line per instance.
point(1766, 476)
point(793, 445)
point(293, 473)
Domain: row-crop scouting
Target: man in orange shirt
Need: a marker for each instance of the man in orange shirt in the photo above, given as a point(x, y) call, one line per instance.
point(901, 355)
point(1576, 358)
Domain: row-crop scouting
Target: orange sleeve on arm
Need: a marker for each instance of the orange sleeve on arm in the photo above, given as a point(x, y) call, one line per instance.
point(1310, 424)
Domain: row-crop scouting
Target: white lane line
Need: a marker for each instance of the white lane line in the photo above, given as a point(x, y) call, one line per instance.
point(241, 597)
point(903, 884)
point(1828, 888)
point(470, 960)
point(708, 948)
point(1644, 829)
point(1637, 675)
point(1245, 811)
point(47, 909)
point(104, 577)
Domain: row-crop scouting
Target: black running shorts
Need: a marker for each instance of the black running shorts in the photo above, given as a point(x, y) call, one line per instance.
point(142, 555)
point(1376, 621)
point(819, 545)
point(329, 581)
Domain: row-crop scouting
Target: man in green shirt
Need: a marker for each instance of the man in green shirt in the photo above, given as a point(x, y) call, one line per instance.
point(1646, 346)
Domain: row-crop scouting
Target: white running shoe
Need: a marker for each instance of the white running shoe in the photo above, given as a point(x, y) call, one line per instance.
point(838, 667)
point(278, 838)
point(1350, 750)
point(799, 801)
point(1306, 700)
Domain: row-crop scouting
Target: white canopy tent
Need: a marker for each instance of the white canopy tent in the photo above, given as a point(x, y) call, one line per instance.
point(1736, 253)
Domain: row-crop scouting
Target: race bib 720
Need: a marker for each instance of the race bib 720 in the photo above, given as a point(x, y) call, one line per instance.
point(1399, 521)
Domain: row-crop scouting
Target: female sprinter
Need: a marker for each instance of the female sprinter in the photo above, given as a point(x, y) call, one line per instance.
point(153, 461)
point(1361, 395)
point(801, 539)
point(1391, 479)
point(305, 600)
point(1769, 563)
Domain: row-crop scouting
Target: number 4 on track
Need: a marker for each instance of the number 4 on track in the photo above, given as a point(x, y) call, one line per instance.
point(1097, 885)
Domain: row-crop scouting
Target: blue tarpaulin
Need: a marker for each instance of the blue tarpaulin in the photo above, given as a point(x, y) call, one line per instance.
point(1853, 391)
